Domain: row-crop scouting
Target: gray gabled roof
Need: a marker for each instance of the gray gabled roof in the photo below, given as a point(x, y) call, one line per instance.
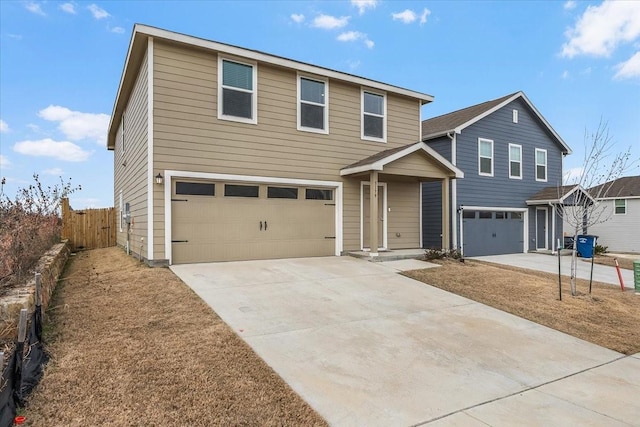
point(456, 121)
point(628, 186)
point(558, 195)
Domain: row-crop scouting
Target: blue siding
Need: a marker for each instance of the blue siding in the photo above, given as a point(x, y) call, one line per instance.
point(432, 200)
point(432, 215)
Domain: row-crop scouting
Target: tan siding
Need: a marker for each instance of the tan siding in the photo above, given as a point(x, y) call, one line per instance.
point(188, 135)
point(132, 178)
point(403, 215)
point(416, 164)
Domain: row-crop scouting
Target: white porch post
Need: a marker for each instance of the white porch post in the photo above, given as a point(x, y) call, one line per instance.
point(373, 213)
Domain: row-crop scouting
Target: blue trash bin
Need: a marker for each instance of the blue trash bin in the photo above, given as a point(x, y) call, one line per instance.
point(585, 245)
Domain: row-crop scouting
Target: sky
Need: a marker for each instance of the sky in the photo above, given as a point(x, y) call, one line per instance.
point(61, 62)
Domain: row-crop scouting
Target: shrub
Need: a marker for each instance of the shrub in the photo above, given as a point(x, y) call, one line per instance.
point(29, 224)
point(431, 254)
point(599, 249)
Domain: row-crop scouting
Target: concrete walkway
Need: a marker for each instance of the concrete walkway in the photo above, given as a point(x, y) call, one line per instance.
point(549, 264)
point(367, 346)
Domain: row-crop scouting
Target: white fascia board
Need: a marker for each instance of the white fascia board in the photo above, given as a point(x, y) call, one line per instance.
point(276, 60)
point(617, 198)
point(493, 208)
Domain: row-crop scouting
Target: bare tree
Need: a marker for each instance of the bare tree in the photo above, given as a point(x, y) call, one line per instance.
point(601, 167)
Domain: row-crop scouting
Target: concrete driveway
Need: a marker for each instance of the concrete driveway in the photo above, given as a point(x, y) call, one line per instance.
point(549, 264)
point(367, 346)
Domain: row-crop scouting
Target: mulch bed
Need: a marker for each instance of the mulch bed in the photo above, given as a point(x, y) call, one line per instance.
point(133, 345)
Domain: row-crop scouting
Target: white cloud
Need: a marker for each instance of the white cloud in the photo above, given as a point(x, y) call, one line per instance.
point(328, 22)
point(15, 36)
point(53, 171)
point(570, 5)
point(602, 28)
point(629, 69)
point(61, 150)
point(4, 161)
point(407, 16)
point(363, 5)
point(76, 125)
point(117, 30)
point(423, 17)
point(97, 11)
point(4, 127)
point(297, 17)
point(68, 7)
point(34, 7)
point(565, 75)
point(352, 36)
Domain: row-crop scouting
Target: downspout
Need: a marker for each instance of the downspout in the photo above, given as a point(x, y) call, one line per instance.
point(553, 226)
point(454, 193)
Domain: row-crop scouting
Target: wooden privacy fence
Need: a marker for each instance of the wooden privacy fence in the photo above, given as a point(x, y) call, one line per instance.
point(88, 228)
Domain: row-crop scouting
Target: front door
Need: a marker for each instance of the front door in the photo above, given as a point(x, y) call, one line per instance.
point(541, 228)
point(382, 237)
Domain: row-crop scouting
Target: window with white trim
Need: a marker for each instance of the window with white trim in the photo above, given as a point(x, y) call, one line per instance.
point(620, 206)
point(237, 88)
point(312, 105)
point(485, 157)
point(515, 116)
point(515, 161)
point(374, 116)
point(541, 164)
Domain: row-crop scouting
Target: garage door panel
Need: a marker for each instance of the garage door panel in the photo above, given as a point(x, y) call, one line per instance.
point(218, 228)
point(492, 233)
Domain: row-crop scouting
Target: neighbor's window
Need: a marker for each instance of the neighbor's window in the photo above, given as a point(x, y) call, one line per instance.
point(485, 157)
point(374, 116)
point(237, 91)
point(515, 161)
point(620, 206)
point(312, 105)
point(541, 164)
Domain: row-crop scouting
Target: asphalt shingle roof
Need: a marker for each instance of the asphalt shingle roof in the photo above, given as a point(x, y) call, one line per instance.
point(628, 186)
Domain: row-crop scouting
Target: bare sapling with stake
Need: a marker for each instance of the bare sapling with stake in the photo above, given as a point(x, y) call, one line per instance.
point(600, 168)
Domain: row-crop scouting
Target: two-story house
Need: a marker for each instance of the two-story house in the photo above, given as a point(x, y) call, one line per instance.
point(225, 153)
point(511, 158)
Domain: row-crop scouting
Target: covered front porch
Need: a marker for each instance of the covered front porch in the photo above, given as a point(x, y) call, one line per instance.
point(395, 176)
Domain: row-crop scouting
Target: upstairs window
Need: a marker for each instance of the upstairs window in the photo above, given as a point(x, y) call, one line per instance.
point(515, 161)
point(541, 165)
point(515, 116)
point(374, 117)
point(620, 206)
point(312, 105)
point(237, 91)
point(485, 157)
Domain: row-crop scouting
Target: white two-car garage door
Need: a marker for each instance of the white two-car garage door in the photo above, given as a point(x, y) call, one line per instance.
point(227, 221)
point(492, 232)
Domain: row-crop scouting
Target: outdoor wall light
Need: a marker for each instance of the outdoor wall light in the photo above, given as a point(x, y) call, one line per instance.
point(159, 179)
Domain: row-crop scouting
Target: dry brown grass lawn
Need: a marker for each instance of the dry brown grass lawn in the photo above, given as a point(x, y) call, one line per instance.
point(607, 317)
point(133, 345)
point(626, 263)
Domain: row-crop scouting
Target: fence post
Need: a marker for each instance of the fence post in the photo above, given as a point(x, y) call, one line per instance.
point(22, 326)
point(38, 289)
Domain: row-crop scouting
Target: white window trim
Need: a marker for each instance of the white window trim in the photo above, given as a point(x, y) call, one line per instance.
point(384, 117)
point(520, 148)
point(614, 207)
point(123, 130)
point(546, 165)
point(254, 92)
point(480, 141)
point(325, 105)
point(515, 116)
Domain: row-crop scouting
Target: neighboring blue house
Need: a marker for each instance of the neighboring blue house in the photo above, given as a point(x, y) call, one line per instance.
point(512, 163)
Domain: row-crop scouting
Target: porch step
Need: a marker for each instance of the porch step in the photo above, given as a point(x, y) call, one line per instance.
point(394, 255)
